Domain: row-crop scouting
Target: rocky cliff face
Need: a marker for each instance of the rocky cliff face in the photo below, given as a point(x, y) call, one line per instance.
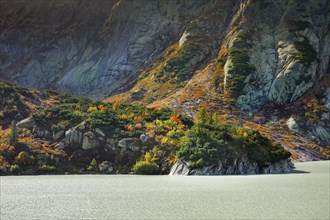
point(96, 49)
point(93, 48)
point(284, 47)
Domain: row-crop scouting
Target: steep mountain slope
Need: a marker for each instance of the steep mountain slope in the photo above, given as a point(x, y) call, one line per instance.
point(91, 48)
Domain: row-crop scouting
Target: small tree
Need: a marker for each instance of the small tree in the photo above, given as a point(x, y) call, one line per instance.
point(13, 135)
point(201, 116)
point(215, 119)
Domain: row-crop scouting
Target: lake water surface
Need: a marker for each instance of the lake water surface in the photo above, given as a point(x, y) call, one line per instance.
point(301, 195)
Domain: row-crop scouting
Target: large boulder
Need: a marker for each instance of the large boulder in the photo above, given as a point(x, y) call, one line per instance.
point(106, 167)
point(292, 125)
point(90, 141)
point(132, 144)
point(180, 168)
point(73, 136)
point(27, 123)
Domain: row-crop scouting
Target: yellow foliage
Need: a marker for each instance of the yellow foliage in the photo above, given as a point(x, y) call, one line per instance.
point(150, 126)
point(164, 140)
point(130, 127)
point(170, 133)
point(92, 109)
point(116, 105)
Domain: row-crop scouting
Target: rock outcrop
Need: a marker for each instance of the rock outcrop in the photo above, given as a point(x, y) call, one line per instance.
point(239, 166)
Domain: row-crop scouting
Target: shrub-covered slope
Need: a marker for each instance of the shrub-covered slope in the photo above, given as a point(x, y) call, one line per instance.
point(63, 133)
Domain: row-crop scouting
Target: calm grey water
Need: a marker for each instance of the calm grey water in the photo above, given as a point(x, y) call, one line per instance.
point(303, 195)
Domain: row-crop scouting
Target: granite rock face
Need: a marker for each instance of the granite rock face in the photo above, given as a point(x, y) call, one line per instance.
point(276, 58)
point(239, 166)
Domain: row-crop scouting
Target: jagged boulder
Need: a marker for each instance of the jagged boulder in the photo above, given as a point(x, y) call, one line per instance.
point(180, 168)
point(292, 124)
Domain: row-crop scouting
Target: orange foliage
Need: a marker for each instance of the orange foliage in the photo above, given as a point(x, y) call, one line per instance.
point(294, 156)
point(138, 125)
point(175, 118)
point(197, 95)
point(138, 118)
point(103, 109)
point(152, 133)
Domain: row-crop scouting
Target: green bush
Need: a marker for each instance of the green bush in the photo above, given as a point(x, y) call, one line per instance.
point(14, 168)
point(46, 169)
point(146, 167)
point(209, 142)
point(93, 166)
